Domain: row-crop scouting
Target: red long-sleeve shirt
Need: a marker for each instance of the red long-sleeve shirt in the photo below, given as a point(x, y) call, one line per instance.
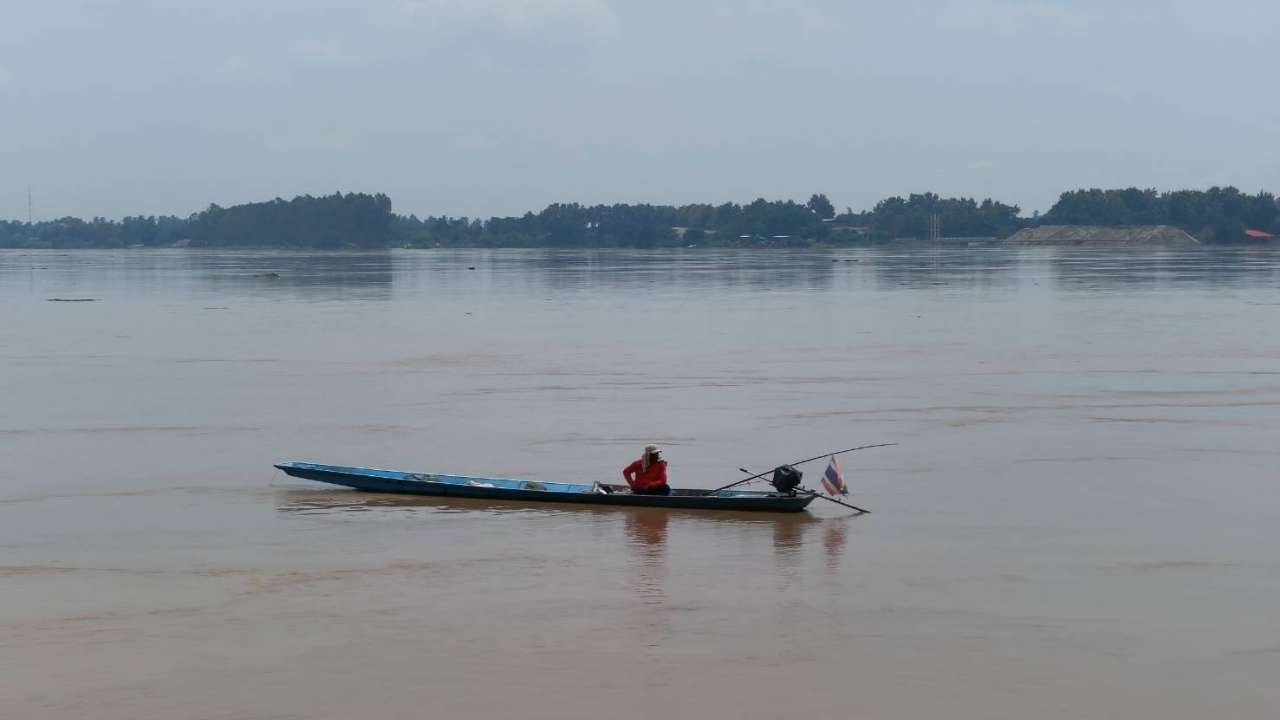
point(638, 479)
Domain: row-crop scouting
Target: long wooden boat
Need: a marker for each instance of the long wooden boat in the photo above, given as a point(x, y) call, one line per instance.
point(397, 481)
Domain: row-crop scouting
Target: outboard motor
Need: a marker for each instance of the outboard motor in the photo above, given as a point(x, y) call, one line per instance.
point(786, 479)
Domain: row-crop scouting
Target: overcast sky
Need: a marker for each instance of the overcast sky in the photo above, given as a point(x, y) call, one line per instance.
point(494, 107)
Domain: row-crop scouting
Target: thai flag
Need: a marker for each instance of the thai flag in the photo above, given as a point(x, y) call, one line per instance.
point(832, 480)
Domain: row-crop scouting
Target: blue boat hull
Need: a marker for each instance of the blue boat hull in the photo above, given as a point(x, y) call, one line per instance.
point(396, 481)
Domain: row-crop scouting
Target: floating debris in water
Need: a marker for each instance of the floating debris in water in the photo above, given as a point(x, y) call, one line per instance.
point(267, 275)
point(72, 299)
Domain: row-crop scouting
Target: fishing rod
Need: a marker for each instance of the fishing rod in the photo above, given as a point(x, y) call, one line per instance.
point(798, 462)
point(807, 491)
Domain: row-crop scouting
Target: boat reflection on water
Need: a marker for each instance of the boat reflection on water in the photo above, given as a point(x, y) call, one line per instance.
point(787, 526)
point(834, 539)
point(646, 530)
point(787, 539)
point(647, 540)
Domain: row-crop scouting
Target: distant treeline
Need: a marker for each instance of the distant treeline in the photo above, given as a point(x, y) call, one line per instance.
point(1216, 215)
point(360, 220)
point(781, 223)
point(332, 221)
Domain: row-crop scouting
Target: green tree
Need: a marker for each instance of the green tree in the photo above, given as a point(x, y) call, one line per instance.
point(821, 206)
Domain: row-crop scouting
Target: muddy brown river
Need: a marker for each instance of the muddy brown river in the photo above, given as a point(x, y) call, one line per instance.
point(1081, 519)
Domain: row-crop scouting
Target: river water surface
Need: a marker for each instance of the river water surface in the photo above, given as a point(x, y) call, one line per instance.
point(1081, 519)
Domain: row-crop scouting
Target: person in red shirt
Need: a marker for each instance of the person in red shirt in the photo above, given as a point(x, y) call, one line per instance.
point(648, 475)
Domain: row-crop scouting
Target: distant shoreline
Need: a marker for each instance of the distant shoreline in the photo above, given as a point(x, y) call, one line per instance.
point(905, 243)
point(365, 221)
